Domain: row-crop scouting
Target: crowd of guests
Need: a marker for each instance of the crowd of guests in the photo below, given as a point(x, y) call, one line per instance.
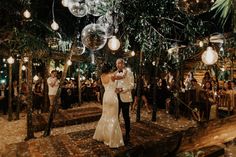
point(153, 95)
point(69, 95)
point(192, 95)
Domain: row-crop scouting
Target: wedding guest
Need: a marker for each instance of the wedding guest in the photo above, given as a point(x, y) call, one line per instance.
point(53, 85)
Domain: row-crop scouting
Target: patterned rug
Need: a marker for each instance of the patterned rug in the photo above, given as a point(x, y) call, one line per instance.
point(147, 140)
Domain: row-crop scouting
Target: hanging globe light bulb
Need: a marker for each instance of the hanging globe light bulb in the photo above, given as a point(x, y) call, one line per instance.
point(201, 44)
point(54, 25)
point(210, 56)
point(132, 53)
point(69, 62)
point(23, 67)
point(26, 59)
point(27, 14)
point(10, 60)
point(114, 43)
point(35, 78)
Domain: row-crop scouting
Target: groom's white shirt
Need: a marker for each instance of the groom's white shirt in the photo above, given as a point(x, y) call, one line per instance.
point(127, 84)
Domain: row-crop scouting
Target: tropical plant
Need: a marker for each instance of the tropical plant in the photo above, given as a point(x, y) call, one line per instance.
point(223, 8)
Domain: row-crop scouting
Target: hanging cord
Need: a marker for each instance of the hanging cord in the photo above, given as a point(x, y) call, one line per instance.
point(53, 16)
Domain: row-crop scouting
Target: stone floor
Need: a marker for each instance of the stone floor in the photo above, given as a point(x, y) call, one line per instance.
point(15, 131)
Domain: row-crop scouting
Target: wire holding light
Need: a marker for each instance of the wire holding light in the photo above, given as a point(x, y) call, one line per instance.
point(54, 24)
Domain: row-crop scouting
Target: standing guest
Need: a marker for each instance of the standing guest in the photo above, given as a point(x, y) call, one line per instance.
point(163, 98)
point(3, 98)
point(15, 100)
point(24, 95)
point(38, 96)
point(53, 85)
point(187, 81)
point(206, 78)
point(124, 90)
point(206, 99)
point(169, 77)
point(143, 93)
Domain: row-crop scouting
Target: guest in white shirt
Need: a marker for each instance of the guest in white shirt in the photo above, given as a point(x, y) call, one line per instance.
point(53, 84)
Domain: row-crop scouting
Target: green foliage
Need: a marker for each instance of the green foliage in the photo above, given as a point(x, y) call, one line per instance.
point(153, 26)
point(223, 8)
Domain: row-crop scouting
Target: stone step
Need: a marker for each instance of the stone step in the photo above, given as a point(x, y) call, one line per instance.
point(67, 117)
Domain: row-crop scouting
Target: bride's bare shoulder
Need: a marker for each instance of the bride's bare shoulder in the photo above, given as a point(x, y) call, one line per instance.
point(105, 78)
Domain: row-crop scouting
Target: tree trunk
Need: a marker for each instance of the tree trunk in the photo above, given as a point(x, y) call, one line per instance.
point(19, 90)
point(30, 131)
point(10, 94)
point(55, 104)
point(139, 86)
point(234, 18)
point(45, 86)
point(79, 85)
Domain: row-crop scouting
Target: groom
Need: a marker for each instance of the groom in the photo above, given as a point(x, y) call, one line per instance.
point(123, 90)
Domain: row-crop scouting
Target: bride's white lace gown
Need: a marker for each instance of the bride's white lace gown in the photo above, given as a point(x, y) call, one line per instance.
point(108, 128)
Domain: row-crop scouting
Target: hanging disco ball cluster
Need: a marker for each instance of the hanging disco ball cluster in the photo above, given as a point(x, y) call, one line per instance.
point(94, 36)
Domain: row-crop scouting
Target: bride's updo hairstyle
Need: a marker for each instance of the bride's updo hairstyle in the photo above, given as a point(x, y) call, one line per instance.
point(106, 68)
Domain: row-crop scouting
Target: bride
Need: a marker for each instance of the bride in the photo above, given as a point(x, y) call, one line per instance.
point(108, 128)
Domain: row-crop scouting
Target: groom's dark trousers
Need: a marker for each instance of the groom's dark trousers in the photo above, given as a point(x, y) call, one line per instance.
point(125, 112)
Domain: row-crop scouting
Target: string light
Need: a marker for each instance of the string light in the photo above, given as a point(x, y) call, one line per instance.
point(23, 67)
point(10, 60)
point(201, 44)
point(132, 53)
point(35, 78)
point(54, 25)
point(27, 14)
point(69, 62)
point(26, 59)
point(114, 43)
point(210, 56)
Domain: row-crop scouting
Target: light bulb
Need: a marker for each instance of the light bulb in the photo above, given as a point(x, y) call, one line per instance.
point(201, 43)
point(69, 62)
point(27, 14)
point(10, 60)
point(210, 56)
point(26, 59)
point(132, 53)
point(23, 67)
point(35, 78)
point(54, 25)
point(114, 43)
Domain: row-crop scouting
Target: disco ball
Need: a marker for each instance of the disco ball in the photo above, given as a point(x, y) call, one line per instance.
point(194, 7)
point(109, 28)
point(77, 9)
point(93, 36)
point(77, 48)
point(93, 8)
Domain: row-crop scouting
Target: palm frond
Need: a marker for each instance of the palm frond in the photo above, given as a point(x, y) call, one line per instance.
point(223, 8)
